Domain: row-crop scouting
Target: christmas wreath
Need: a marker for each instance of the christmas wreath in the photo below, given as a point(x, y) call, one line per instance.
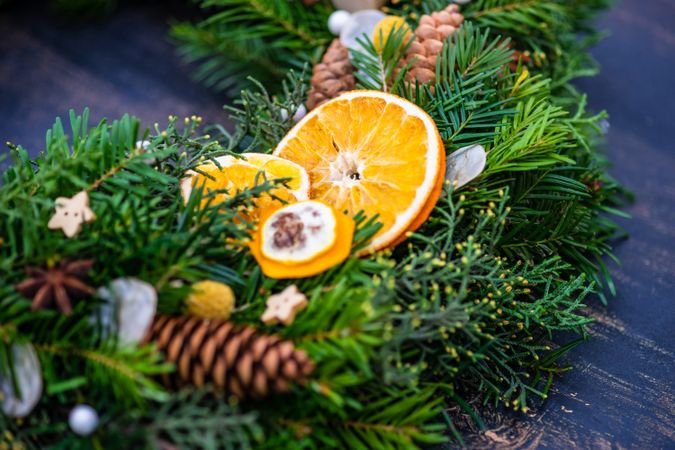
point(412, 224)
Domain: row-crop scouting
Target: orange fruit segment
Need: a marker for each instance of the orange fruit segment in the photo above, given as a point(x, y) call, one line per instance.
point(235, 175)
point(371, 151)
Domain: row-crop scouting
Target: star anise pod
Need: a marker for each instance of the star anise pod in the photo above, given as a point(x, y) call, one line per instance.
point(60, 285)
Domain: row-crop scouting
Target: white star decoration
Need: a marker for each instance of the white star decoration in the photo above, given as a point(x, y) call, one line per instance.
point(71, 213)
point(283, 307)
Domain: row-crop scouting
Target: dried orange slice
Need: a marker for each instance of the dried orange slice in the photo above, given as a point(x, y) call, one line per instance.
point(301, 240)
point(235, 174)
point(276, 167)
point(298, 233)
point(371, 151)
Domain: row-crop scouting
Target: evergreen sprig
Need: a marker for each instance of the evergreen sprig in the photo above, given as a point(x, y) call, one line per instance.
point(534, 146)
point(200, 419)
point(257, 38)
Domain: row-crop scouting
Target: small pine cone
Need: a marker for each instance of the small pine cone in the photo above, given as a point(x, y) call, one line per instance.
point(234, 358)
point(433, 30)
point(333, 76)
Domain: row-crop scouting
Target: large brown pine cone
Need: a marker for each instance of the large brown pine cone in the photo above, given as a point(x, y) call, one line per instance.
point(433, 30)
point(234, 358)
point(333, 76)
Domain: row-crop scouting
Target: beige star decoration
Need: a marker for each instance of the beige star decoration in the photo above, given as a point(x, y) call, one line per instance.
point(283, 307)
point(71, 213)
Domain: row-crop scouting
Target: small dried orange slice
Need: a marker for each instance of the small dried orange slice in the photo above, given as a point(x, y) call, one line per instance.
point(301, 240)
point(371, 151)
point(298, 233)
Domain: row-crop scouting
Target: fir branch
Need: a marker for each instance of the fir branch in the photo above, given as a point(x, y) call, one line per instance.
point(393, 423)
point(260, 38)
point(378, 69)
point(202, 419)
point(264, 118)
point(126, 372)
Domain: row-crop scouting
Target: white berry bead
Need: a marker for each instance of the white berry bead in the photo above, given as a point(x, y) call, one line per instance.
point(300, 113)
point(83, 420)
point(337, 20)
point(144, 144)
point(360, 23)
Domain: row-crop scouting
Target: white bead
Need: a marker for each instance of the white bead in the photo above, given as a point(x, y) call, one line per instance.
point(337, 20)
point(300, 113)
point(144, 144)
point(361, 25)
point(83, 420)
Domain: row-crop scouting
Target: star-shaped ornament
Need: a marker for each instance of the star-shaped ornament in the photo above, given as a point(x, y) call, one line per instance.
point(71, 213)
point(283, 307)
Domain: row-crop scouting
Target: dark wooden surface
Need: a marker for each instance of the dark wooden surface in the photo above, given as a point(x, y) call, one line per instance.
point(621, 393)
point(122, 64)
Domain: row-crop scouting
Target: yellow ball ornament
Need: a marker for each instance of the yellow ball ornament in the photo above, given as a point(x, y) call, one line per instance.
point(385, 27)
point(211, 300)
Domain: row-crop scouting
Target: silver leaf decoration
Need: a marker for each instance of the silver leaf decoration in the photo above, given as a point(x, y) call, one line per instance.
point(130, 306)
point(28, 376)
point(465, 164)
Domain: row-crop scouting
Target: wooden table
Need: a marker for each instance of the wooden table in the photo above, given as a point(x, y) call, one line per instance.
point(622, 391)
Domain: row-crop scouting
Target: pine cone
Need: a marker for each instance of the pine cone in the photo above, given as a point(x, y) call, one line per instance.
point(234, 358)
point(332, 76)
point(433, 30)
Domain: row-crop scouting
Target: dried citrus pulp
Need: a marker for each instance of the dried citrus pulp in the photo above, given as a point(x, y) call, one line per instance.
point(236, 174)
point(301, 239)
point(371, 151)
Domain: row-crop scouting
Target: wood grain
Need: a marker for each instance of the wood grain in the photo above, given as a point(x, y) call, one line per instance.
point(116, 66)
point(621, 394)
